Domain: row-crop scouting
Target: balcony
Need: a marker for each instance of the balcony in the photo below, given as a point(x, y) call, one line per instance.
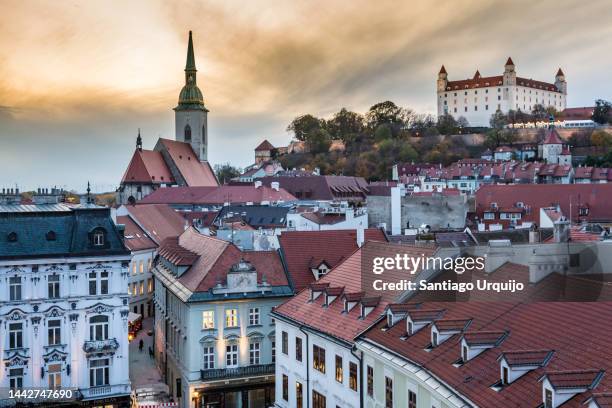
point(108, 346)
point(104, 391)
point(237, 372)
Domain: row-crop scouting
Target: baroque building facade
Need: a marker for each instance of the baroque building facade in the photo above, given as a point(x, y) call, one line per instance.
point(477, 98)
point(64, 303)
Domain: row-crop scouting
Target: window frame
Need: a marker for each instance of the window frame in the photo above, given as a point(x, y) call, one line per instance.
point(54, 333)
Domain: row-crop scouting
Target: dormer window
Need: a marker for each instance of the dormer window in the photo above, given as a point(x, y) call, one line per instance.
point(505, 376)
point(558, 387)
point(51, 236)
point(12, 237)
point(476, 342)
point(98, 238)
point(434, 339)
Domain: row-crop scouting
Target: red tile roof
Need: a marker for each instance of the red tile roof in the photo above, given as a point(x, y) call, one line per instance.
point(135, 238)
point(535, 196)
point(452, 324)
point(264, 146)
point(574, 378)
point(303, 249)
point(210, 259)
point(194, 172)
point(484, 337)
point(322, 187)
point(552, 137)
point(147, 166)
point(331, 320)
point(536, 358)
point(530, 326)
point(158, 220)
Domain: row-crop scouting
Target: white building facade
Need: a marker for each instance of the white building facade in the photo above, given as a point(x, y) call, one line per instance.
point(478, 98)
point(64, 303)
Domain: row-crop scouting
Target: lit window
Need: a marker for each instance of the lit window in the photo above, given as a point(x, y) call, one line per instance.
point(353, 376)
point(54, 372)
point(318, 358)
point(339, 373)
point(231, 318)
point(208, 319)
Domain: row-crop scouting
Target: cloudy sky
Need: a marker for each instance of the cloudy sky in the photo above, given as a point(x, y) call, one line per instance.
point(78, 78)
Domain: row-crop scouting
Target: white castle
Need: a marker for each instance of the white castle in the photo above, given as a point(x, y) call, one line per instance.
point(476, 99)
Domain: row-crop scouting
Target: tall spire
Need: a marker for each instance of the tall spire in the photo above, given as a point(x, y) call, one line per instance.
point(190, 65)
point(139, 141)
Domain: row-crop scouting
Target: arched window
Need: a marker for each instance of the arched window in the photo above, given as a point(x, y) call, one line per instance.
point(98, 327)
point(204, 134)
point(187, 133)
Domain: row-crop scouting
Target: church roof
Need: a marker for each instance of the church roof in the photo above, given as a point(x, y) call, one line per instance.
point(442, 70)
point(191, 96)
point(147, 166)
point(560, 73)
point(509, 61)
point(190, 65)
point(194, 172)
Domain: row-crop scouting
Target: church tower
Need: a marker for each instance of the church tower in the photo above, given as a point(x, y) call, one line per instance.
point(190, 115)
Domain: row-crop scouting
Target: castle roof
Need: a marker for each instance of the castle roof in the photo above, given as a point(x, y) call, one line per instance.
point(552, 137)
point(264, 146)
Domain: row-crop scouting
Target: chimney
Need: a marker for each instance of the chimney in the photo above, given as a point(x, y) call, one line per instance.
point(257, 184)
point(360, 236)
point(561, 230)
point(275, 185)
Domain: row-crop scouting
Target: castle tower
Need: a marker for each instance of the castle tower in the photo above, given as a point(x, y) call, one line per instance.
point(442, 79)
point(509, 73)
point(560, 82)
point(190, 115)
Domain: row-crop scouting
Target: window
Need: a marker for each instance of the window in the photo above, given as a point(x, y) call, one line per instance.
point(99, 372)
point(285, 343)
point(285, 387)
point(16, 378)
point(93, 283)
point(412, 399)
point(370, 380)
point(231, 355)
point(548, 400)
point(464, 355)
point(388, 392)
point(15, 335)
point(15, 288)
point(254, 353)
point(134, 266)
point(299, 395)
point(187, 133)
point(318, 358)
point(141, 266)
point(54, 373)
point(318, 400)
point(339, 374)
point(298, 348)
point(208, 319)
point(98, 328)
point(98, 238)
point(273, 351)
point(434, 339)
point(54, 331)
point(204, 134)
point(410, 328)
point(150, 285)
point(209, 357)
point(254, 316)
point(353, 376)
point(53, 283)
point(505, 376)
point(231, 318)
point(141, 285)
point(104, 283)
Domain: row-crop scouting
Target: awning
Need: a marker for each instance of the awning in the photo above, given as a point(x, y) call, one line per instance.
point(132, 317)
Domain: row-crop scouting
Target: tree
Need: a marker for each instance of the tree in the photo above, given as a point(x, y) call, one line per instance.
point(498, 120)
point(462, 122)
point(226, 172)
point(447, 125)
point(387, 113)
point(600, 138)
point(318, 141)
point(303, 125)
point(382, 132)
point(602, 113)
point(344, 125)
point(539, 113)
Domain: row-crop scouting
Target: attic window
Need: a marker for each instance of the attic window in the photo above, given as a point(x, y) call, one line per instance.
point(51, 236)
point(12, 237)
point(98, 237)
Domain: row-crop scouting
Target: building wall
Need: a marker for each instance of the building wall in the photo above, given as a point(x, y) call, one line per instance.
point(337, 394)
point(141, 282)
point(138, 191)
point(379, 211)
point(74, 307)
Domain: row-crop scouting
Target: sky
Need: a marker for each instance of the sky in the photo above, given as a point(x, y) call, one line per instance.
point(78, 78)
